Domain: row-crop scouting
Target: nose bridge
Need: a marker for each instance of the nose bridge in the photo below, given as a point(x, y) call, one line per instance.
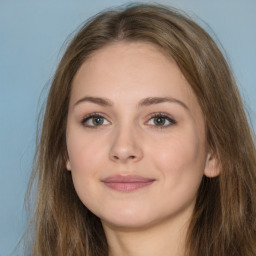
point(126, 144)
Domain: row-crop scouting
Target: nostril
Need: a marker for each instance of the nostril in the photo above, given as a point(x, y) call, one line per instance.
point(116, 157)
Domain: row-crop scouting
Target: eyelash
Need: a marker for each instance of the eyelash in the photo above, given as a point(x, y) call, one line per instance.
point(165, 117)
point(91, 116)
point(156, 115)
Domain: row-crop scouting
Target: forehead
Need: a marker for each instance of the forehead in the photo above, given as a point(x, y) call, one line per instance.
point(131, 70)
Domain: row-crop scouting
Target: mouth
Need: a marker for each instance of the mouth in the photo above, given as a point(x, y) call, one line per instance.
point(127, 183)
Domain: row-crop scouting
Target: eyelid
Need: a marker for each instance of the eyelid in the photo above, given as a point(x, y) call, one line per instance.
point(163, 115)
point(92, 115)
point(166, 116)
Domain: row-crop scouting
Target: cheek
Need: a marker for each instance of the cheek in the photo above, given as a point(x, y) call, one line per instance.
point(86, 159)
point(180, 162)
point(84, 153)
point(181, 157)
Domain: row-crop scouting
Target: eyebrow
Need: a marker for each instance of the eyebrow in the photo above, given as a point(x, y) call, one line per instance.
point(157, 100)
point(143, 103)
point(100, 101)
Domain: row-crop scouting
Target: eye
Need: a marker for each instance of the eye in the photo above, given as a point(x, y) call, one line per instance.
point(94, 121)
point(161, 120)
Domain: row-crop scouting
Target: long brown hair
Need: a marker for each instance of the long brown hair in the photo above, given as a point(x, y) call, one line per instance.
point(224, 218)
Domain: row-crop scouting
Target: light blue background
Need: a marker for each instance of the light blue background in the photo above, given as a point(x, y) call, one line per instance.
point(31, 36)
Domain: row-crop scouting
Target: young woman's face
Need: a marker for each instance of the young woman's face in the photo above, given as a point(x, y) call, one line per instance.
point(135, 137)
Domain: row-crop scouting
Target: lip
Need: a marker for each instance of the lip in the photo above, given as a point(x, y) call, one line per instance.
point(127, 183)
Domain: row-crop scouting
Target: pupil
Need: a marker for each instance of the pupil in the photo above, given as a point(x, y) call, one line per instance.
point(159, 120)
point(97, 120)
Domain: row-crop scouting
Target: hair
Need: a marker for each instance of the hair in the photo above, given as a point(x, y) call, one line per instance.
point(224, 217)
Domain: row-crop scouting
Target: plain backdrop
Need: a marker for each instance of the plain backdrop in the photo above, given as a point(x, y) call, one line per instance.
point(32, 36)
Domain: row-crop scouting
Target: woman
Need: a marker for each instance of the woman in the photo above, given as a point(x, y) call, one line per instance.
point(145, 147)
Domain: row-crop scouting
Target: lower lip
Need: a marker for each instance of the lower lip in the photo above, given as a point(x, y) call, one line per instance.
point(127, 186)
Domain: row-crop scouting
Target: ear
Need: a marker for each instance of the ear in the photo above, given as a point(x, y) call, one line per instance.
point(212, 166)
point(68, 165)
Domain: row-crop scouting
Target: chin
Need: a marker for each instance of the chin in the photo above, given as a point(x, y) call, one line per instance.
point(129, 220)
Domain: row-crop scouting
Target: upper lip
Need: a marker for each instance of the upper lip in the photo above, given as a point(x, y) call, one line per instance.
point(126, 179)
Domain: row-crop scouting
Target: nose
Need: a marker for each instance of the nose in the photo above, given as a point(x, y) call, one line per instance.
point(126, 146)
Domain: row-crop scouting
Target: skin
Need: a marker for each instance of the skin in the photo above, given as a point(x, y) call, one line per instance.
point(128, 140)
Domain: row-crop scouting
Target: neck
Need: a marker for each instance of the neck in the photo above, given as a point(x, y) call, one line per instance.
point(167, 238)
